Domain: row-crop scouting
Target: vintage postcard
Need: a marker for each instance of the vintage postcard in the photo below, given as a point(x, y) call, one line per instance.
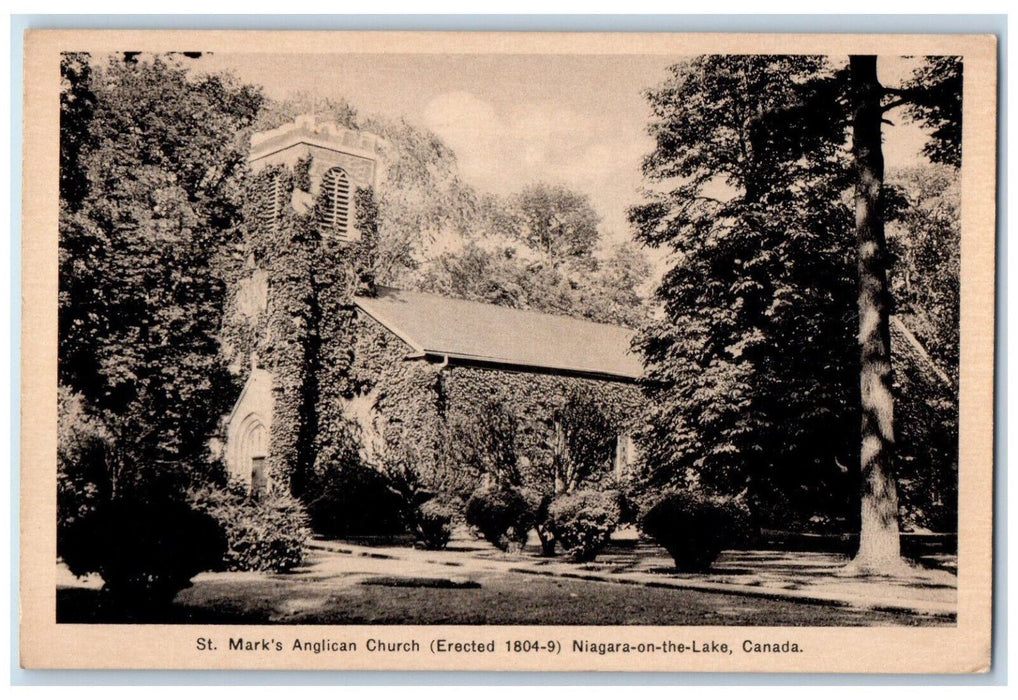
point(508, 351)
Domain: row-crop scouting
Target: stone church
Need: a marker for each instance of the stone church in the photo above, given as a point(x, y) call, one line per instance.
point(431, 359)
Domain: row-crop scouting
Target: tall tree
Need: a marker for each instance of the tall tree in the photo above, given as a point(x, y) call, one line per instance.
point(557, 221)
point(934, 97)
point(148, 232)
point(752, 369)
point(422, 200)
point(749, 370)
point(879, 543)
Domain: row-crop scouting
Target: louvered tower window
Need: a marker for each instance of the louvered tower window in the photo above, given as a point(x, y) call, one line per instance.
point(335, 215)
point(272, 201)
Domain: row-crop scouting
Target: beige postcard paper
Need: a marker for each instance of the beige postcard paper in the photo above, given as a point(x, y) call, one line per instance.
point(508, 351)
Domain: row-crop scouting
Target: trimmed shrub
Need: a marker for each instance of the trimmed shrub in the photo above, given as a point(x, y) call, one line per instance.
point(582, 522)
point(694, 527)
point(269, 533)
point(503, 515)
point(354, 499)
point(434, 521)
point(145, 549)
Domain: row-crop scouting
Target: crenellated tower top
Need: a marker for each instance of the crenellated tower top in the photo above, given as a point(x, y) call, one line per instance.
point(338, 161)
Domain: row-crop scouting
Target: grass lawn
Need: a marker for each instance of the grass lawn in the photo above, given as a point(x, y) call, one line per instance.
point(500, 598)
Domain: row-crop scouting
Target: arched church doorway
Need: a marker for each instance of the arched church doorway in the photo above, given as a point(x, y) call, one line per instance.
point(253, 451)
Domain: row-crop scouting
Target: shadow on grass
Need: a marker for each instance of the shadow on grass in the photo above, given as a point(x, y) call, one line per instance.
point(418, 582)
point(91, 606)
point(508, 599)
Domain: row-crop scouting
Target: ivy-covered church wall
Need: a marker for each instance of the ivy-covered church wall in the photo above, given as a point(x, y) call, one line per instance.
point(304, 333)
point(396, 402)
point(535, 399)
point(344, 390)
point(410, 410)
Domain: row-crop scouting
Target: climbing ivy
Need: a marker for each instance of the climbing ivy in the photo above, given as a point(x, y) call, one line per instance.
point(538, 400)
point(306, 333)
point(345, 392)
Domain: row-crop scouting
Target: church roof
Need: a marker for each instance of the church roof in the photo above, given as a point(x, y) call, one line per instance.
point(470, 331)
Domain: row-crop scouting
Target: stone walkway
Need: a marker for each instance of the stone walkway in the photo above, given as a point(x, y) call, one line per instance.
point(804, 577)
point(812, 577)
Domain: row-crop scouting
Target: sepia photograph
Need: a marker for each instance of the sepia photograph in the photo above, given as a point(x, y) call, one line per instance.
point(345, 337)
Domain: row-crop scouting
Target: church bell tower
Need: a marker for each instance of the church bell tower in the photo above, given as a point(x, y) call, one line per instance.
point(328, 159)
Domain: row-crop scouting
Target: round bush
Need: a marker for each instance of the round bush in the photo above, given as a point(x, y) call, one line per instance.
point(145, 549)
point(434, 520)
point(695, 527)
point(354, 499)
point(265, 534)
point(583, 522)
point(503, 515)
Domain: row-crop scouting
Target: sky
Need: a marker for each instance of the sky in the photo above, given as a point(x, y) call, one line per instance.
point(577, 120)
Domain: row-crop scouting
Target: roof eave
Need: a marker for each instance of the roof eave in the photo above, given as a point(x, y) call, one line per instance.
point(515, 365)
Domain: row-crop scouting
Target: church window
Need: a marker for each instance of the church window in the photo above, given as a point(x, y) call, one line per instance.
point(334, 218)
point(271, 201)
point(625, 455)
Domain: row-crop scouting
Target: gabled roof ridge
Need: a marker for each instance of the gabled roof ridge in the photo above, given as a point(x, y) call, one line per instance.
point(536, 312)
point(433, 324)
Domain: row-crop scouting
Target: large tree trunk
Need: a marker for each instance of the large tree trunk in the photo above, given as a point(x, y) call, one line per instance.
point(879, 546)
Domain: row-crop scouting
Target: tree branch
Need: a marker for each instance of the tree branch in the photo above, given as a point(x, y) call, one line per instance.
point(896, 103)
point(907, 93)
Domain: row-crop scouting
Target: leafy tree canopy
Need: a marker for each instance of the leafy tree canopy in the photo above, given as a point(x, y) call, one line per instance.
point(750, 369)
point(154, 162)
point(556, 221)
point(933, 96)
point(753, 372)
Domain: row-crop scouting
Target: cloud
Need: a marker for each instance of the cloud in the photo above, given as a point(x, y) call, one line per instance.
point(501, 149)
point(524, 141)
point(460, 115)
point(469, 126)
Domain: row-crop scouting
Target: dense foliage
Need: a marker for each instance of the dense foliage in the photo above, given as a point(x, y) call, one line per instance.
point(152, 164)
point(502, 268)
point(933, 96)
point(694, 526)
point(553, 446)
point(752, 371)
point(146, 252)
point(306, 334)
point(354, 499)
point(268, 533)
point(83, 452)
point(584, 441)
point(503, 515)
point(489, 444)
point(145, 551)
point(583, 522)
point(556, 221)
